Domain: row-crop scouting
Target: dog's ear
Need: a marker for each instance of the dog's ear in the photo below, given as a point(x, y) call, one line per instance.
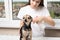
point(31, 18)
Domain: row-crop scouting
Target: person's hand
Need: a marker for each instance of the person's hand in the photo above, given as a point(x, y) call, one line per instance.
point(38, 19)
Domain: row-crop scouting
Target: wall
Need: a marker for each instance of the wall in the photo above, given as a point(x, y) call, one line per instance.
point(9, 31)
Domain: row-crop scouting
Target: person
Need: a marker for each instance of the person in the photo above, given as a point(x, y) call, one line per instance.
point(40, 15)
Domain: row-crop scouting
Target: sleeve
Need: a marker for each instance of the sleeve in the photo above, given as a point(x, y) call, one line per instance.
point(47, 12)
point(20, 14)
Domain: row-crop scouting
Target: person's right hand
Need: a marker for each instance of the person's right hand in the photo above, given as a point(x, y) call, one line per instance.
point(37, 19)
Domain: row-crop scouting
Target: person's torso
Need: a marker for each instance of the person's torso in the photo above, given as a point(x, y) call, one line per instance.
point(37, 29)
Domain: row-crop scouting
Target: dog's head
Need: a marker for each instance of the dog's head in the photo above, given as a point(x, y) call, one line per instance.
point(27, 19)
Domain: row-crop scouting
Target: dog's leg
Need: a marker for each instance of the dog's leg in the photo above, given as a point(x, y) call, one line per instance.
point(24, 34)
point(21, 34)
point(31, 35)
point(23, 38)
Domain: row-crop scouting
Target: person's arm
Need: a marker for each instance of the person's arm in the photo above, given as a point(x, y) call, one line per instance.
point(49, 20)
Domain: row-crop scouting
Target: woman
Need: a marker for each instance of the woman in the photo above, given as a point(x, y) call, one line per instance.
point(40, 15)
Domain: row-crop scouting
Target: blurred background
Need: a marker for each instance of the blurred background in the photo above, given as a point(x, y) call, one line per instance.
point(9, 23)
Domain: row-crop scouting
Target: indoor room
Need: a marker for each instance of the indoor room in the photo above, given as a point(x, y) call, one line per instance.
point(10, 19)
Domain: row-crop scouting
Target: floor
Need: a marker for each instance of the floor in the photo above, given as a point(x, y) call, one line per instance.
point(9, 37)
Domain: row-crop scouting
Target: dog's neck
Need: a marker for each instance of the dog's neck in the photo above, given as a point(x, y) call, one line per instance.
point(28, 27)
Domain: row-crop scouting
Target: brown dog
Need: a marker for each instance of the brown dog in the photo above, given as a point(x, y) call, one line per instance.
point(26, 30)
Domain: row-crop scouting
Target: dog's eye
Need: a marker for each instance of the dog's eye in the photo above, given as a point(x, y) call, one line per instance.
point(29, 17)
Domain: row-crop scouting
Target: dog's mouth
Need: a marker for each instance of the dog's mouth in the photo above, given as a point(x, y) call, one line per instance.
point(27, 22)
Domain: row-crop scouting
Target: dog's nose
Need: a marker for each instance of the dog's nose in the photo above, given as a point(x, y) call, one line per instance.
point(25, 20)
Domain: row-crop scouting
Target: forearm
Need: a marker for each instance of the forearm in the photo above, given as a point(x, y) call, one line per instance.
point(49, 21)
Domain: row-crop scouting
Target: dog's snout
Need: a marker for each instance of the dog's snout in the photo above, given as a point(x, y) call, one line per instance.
point(25, 20)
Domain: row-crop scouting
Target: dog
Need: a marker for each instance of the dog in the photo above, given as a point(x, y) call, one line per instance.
point(26, 30)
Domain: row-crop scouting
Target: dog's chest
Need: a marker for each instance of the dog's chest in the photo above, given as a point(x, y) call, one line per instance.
point(26, 27)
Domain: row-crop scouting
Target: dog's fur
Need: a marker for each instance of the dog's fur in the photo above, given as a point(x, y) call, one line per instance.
point(26, 30)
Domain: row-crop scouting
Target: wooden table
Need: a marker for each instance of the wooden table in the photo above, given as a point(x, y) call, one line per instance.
point(52, 32)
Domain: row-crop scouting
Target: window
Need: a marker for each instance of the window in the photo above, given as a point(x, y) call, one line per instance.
point(54, 7)
point(16, 5)
point(3, 10)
